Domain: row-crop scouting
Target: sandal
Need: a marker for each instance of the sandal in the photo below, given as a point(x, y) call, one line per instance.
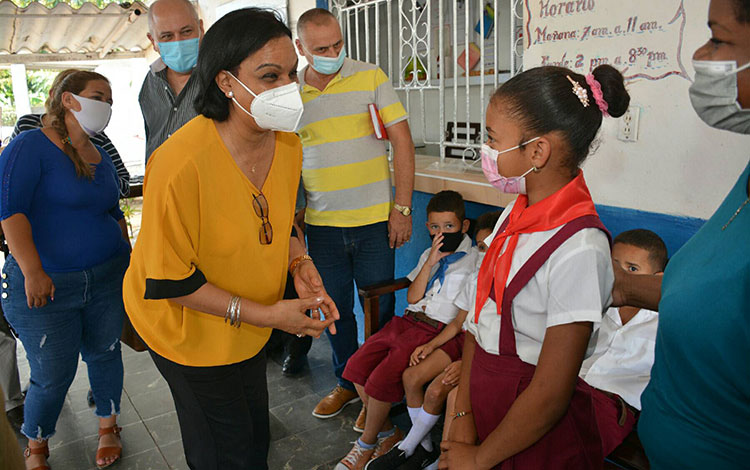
point(111, 451)
point(44, 450)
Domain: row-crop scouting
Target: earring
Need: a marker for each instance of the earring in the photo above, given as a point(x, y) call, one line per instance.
point(230, 94)
point(535, 169)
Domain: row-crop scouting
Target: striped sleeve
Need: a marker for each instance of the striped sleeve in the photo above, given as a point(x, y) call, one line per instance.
point(390, 107)
point(26, 122)
point(123, 176)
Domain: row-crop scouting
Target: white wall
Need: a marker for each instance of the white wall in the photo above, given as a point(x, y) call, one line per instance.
point(296, 9)
point(679, 165)
point(125, 128)
point(278, 5)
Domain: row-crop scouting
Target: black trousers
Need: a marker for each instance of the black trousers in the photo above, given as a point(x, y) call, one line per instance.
point(289, 343)
point(222, 411)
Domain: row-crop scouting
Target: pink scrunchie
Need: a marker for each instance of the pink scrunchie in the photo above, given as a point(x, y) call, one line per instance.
point(596, 89)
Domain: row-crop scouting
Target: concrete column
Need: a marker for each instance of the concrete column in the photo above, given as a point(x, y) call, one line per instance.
point(20, 89)
point(296, 8)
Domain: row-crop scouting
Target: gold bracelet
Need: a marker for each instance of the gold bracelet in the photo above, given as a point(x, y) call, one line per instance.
point(461, 414)
point(296, 262)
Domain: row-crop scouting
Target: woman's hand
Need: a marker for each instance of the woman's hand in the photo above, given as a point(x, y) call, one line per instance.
point(457, 456)
point(619, 296)
point(452, 373)
point(290, 316)
point(636, 290)
point(307, 283)
point(419, 353)
point(307, 280)
point(38, 287)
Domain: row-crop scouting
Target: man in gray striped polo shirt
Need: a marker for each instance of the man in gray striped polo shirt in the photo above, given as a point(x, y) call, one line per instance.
point(353, 220)
point(168, 93)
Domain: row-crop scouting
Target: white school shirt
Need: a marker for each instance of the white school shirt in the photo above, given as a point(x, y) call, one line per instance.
point(623, 355)
point(468, 294)
point(573, 285)
point(437, 303)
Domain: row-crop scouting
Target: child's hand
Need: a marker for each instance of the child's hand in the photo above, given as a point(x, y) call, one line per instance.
point(462, 430)
point(435, 254)
point(458, 456)
point(420, 352)
point(452, 373)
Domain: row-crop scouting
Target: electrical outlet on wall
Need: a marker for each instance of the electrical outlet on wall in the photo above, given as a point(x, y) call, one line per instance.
point(627, 130)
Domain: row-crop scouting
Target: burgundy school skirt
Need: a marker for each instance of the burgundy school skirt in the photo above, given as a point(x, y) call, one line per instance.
point(579, 441)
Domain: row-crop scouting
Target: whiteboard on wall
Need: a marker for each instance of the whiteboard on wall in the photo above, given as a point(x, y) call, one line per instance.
point(679, 165)
point(638, 39)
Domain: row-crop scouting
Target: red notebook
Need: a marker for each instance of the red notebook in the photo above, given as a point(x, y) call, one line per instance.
point(377, 122)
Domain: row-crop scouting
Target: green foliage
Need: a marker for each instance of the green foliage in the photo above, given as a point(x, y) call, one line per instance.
point(73, 3)
point(6, 99)
point(38, 83)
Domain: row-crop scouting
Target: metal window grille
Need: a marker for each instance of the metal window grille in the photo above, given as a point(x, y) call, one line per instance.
point(429, 50)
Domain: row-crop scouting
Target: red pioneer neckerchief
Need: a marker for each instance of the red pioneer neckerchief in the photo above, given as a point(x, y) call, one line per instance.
point(572, 201)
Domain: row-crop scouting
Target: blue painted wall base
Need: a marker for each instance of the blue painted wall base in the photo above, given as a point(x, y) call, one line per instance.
point(674, 230)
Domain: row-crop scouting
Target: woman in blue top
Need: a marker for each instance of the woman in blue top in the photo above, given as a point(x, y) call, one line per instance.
point(29, 122)
point(696, 409)
point(62, 283)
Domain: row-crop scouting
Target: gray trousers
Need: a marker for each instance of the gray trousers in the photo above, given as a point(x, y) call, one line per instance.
point(9, 381)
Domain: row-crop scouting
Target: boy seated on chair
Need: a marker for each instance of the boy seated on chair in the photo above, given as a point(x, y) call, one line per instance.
point(429, 363)
point(376, 368)
point(624, 351)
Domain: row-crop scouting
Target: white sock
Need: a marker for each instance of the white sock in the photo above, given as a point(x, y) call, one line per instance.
point(419, 433)
point(413, 413)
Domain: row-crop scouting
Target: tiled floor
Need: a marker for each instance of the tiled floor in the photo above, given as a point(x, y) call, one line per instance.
point(151, 435)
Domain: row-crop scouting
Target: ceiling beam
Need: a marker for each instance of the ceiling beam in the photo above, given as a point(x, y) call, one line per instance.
point(66, 57)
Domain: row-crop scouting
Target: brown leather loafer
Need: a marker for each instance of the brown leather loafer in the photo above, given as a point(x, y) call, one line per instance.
point(359, 425)
point(334, 402)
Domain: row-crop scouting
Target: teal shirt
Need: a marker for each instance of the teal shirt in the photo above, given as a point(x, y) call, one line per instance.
point(696, 409)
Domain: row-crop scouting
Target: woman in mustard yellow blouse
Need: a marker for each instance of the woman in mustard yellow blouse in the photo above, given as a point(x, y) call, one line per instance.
point(207, 273)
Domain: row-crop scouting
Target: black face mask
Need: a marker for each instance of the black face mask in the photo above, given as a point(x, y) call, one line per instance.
point(450, 241)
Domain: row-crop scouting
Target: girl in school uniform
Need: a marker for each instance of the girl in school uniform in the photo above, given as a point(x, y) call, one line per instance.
point(543, 285)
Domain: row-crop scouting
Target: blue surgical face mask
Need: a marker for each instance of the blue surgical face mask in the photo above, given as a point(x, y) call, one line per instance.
point(328, 65)
point(180, 56)
point(713, 95)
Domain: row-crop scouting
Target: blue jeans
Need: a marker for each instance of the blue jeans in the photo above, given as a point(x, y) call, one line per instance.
point(344, 255)
point(85, 317)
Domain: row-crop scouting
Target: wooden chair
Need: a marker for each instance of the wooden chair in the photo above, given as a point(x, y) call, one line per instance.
point(628, 456)
point(136, 190)
point(371, 301)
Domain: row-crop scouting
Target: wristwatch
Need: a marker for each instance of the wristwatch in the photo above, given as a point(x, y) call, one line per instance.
point(406, 211)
